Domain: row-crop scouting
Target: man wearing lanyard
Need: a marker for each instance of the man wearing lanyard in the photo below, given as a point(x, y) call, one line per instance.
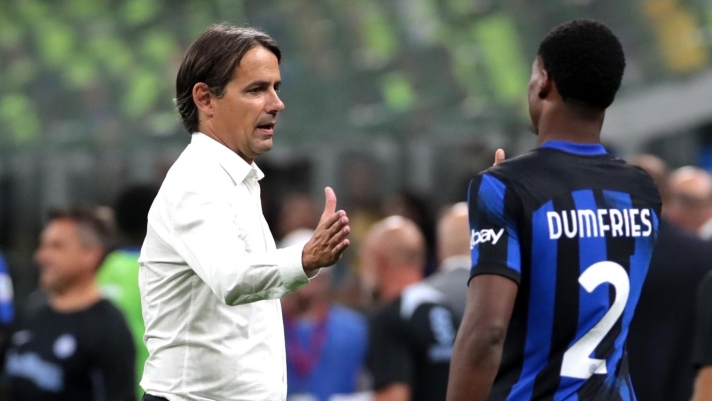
point(210, 274)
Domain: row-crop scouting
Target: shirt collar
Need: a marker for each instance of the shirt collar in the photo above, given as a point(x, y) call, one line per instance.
point(582, 149)
point(235, 166)
point(455, 263)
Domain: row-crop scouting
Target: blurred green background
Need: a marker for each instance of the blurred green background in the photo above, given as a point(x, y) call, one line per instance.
point(382, 96)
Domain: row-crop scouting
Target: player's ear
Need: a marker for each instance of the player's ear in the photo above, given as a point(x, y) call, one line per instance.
point(202, 97)
point(545, 84)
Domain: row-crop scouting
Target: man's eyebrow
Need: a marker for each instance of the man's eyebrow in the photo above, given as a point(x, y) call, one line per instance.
point(262, 84)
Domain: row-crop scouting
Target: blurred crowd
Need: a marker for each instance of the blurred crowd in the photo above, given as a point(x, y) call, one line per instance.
point(379, 325)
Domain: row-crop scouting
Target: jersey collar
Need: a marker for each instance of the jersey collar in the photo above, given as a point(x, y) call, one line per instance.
point(581, 149)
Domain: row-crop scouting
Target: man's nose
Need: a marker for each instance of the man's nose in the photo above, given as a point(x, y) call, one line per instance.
point(275, 105)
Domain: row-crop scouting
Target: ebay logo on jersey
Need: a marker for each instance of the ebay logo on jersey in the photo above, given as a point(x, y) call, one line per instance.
point(484, 236)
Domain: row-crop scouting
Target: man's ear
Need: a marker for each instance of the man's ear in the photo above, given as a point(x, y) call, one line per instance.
point(203, 98)
point(545, 84)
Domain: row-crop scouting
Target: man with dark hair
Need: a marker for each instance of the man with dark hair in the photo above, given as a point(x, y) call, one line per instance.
point(118, 276)
point(77, 346)
point(561, 239)
point(210, 274)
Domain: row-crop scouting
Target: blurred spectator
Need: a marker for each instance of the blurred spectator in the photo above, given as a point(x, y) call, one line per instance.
point(326, 343)
point(658, 171)
point(411, 336)
point(660, 339)
point(702, 356)
point(453, 243)
point(77, 346)
point(118, 276)
point(415, 207)
point(297, 212)
point(690, 205)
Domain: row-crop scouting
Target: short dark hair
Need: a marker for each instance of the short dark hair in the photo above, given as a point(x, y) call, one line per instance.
point(131, 209)
point(585, 60)
point(212, 59)
point(94, 229)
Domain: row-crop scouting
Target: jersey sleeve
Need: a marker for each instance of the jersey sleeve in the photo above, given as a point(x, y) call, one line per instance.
point(494, 232)
point(388, 359)
point(702, 347)
point(116, 360)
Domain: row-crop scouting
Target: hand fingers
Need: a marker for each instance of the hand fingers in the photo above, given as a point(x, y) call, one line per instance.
point(340, 248)
point(330, 204)
point(498, 156)
point(340, 235)
point(337, 227)
point(329, 221)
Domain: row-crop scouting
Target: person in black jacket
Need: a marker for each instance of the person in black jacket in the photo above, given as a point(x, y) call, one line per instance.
point(660, 340)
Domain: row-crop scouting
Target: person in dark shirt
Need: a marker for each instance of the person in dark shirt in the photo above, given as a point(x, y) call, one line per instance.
point(660, 339)
point(77, 346)
point(411, 335)
point(702, 348)
point(561, 240)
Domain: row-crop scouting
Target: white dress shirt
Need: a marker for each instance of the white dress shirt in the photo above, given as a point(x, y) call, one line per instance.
point(210, 279)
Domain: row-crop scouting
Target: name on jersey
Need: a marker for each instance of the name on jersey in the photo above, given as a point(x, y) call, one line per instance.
point(587, 223)
point(484, 236)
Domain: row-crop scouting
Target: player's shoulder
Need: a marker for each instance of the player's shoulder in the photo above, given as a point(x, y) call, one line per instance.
point(520, 170)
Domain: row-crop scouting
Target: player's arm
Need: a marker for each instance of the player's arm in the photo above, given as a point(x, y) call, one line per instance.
point(703, 385)
point(702, 348)
point(206, 235)
point(493, 287)
point(478, 348)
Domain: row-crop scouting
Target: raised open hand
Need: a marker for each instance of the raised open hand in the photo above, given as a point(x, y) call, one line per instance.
point(329, 240)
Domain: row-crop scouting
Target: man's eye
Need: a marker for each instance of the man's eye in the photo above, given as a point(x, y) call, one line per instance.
point(254, 90)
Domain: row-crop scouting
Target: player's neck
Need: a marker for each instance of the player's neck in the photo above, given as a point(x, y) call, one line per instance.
point(395, 285)
point(571, 125)
point(78, 297)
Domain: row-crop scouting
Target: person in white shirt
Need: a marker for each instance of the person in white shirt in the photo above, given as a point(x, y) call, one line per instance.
point(690, 206)
point(210, 274)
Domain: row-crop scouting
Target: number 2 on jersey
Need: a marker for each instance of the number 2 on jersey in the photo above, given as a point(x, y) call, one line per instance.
point(576, 362)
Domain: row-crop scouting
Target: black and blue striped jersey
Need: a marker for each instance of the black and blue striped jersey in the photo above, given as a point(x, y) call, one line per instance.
point(575, 228)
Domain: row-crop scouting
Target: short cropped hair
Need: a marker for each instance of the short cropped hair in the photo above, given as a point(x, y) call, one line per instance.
point(93, 229)
point(212, 59)
point(586, 62)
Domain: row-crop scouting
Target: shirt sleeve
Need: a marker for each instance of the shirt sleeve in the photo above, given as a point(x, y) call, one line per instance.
point(494, 232)
point(702, 347)
point(117, 358)
point(206, 235)
point(389, 360)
